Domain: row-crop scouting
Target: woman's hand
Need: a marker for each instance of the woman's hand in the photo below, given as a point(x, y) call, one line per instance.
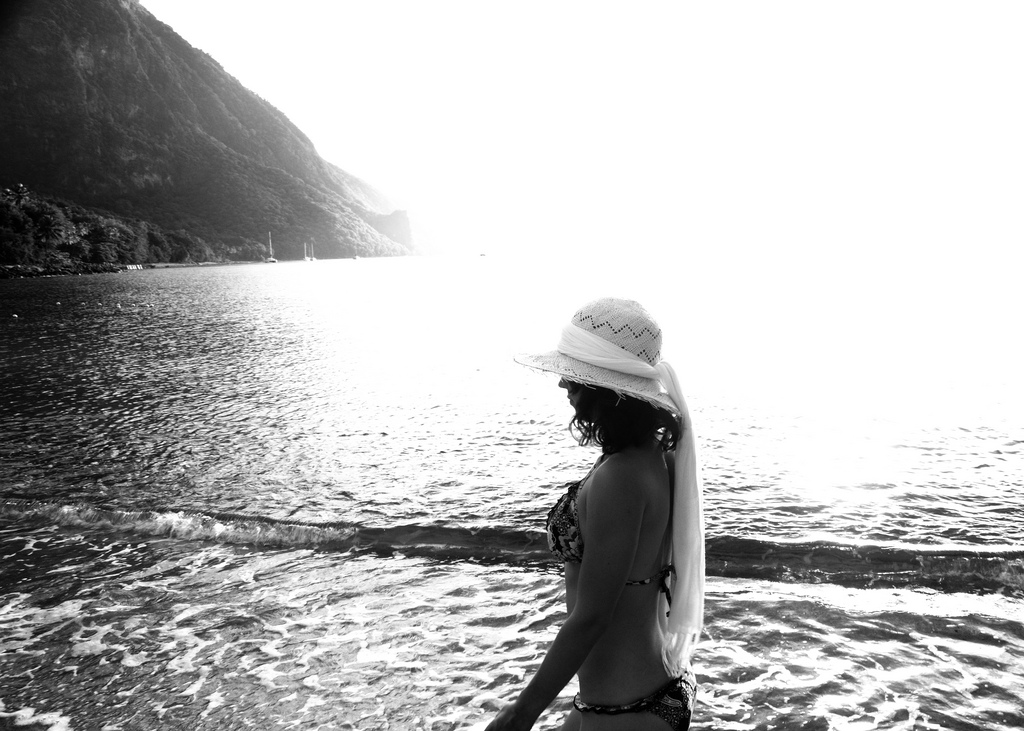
point(509, 720)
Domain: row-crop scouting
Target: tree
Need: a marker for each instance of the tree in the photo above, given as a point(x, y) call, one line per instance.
point(18, 195)
point(159, 248)
point(102, 241)
point(51, 233)
point(76, 242)
point(49, 224)
point(15, 232)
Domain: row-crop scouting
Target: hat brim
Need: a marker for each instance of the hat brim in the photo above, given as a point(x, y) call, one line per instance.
point(645, 389)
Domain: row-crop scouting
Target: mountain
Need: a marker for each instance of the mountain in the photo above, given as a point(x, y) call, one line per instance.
point(104, 105)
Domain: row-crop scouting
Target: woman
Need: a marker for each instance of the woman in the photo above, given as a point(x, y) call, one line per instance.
point(631, 534)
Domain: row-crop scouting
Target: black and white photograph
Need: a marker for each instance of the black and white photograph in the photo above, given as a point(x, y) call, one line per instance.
point(438, 365)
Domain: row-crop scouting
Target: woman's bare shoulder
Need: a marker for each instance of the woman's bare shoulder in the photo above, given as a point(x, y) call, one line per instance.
point(628, 470)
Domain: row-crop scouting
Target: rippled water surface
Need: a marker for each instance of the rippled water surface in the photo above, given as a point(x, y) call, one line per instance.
point(310, 495)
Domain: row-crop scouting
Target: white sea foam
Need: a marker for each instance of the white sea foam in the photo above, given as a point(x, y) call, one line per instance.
point(30, 717)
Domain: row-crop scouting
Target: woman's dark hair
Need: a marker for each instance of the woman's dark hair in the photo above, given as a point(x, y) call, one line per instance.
point(614, 421)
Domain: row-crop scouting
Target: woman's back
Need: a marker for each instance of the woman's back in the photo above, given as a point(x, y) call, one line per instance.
point(633, 489)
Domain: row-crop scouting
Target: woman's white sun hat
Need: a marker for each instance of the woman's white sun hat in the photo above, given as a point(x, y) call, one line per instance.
point(616, 344)
point(599, 347)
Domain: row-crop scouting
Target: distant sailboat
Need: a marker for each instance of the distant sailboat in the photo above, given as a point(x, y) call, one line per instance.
point(270, 247)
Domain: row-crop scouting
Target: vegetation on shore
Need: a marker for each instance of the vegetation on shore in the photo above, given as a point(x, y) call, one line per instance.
point(40, 234)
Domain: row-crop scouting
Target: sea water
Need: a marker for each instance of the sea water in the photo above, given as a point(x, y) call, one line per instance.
point(311, 495)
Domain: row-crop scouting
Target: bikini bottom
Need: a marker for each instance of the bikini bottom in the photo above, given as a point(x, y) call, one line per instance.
point(672, 703)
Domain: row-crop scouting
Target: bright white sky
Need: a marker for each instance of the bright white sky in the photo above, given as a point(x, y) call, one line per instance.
point(774, 130)
point(851, 172)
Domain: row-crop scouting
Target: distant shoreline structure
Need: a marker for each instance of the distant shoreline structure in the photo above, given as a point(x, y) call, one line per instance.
point(30, 271)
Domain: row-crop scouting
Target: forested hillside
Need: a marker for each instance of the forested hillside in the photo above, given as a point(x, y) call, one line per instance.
point(52, 236)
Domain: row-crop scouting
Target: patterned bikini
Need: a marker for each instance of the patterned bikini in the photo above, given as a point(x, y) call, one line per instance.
point(673, 702)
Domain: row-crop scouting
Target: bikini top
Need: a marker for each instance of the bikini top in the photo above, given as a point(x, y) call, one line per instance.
point(565, 539)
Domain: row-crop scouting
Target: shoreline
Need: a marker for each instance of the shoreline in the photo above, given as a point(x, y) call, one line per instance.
point(30, 271)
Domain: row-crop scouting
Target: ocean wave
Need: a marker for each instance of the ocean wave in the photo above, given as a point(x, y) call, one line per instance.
point(940, 567)
point(946, 568)
point(435, 541)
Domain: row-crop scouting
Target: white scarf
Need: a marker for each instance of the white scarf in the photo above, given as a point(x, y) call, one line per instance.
point(683, 626)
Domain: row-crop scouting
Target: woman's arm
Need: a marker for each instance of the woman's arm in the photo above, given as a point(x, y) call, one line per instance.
point(614, 514)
